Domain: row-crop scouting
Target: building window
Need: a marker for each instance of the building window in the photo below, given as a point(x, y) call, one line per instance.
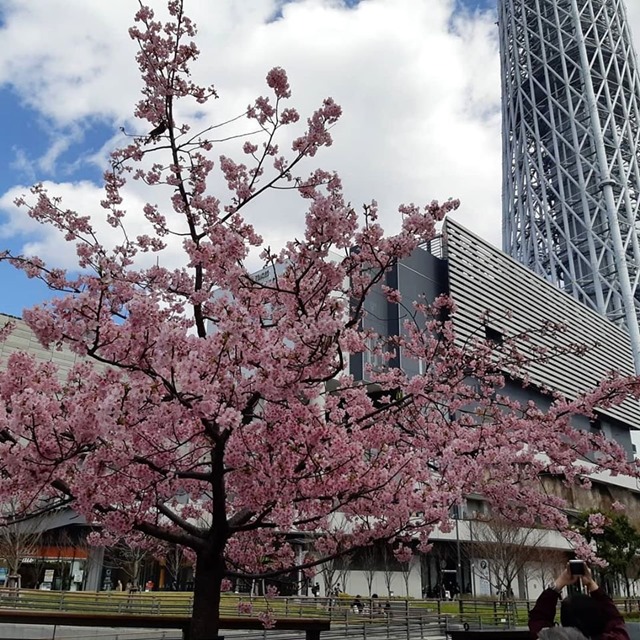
point(493, 335)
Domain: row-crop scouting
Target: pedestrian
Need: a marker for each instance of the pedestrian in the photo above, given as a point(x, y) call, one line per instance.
point(357, 605)
point(593, 615)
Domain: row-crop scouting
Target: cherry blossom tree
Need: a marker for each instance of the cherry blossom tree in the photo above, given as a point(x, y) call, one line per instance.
point(215, 410)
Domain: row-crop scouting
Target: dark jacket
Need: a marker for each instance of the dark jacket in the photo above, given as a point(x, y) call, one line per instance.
point(544, 611)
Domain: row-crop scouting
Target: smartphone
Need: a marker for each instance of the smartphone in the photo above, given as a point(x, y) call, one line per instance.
point(576, 567)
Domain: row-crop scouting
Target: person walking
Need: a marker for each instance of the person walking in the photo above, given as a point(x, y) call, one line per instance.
point(594, 615)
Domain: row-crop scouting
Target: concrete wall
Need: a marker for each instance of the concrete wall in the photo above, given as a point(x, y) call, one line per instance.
point(356, 583)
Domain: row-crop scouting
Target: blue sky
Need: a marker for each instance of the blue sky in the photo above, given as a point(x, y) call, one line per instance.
point(418, 81)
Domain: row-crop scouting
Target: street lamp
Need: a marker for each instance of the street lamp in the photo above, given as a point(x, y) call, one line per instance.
point(456, 515)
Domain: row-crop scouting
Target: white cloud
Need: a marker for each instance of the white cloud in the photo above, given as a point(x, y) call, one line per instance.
point(23, 164)
point(420, 92)
point(69, 59)
point(84, 197)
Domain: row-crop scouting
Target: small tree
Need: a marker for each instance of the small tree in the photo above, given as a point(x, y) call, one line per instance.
point(370, 565)
point(213, 408)
point(617, 542)
point(328, 572)
point(390, 564)
point(131, 559)
point(334, 574)
point(175, 560)
point(19, 539)
point(343, 563)
point(508, 548)
point(404, 556)
point(548, 564)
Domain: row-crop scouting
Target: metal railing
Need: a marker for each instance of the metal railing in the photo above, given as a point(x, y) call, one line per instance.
point(97, 602)
point(398, 620)
point(376, 618)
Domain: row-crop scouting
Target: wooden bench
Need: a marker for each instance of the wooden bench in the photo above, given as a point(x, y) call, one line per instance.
point(312, 627)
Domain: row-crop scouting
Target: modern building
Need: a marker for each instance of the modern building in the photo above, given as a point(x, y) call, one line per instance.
point(571, 144)
point(497, 297)
point(53, 549)
point(480, 279)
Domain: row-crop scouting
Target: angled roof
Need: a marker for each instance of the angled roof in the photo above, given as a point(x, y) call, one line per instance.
point(481, 278)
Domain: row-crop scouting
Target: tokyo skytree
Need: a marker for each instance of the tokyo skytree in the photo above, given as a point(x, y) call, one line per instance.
point(571, 139)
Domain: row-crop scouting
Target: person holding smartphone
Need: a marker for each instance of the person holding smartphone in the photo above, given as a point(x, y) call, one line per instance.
point(594, 615)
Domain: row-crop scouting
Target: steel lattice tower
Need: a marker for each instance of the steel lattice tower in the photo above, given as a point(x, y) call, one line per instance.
point(571, 138)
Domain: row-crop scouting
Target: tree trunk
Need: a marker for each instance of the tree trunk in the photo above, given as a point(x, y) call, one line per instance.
point(205, 619)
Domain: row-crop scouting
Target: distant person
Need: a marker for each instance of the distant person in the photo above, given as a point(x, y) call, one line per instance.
point(594, 615)
point(357, 605)
point(315, 590)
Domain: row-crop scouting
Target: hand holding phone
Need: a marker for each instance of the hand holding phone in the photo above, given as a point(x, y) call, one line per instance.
point(587, 580)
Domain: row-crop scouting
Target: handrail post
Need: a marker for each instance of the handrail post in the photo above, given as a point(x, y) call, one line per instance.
point(407, 621)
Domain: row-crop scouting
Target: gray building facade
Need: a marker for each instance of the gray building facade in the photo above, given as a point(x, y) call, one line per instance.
point(495, 297)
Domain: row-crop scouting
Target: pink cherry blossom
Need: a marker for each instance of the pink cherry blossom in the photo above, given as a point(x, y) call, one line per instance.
point(245, 608)
point(596, 523)
point(277, 80)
